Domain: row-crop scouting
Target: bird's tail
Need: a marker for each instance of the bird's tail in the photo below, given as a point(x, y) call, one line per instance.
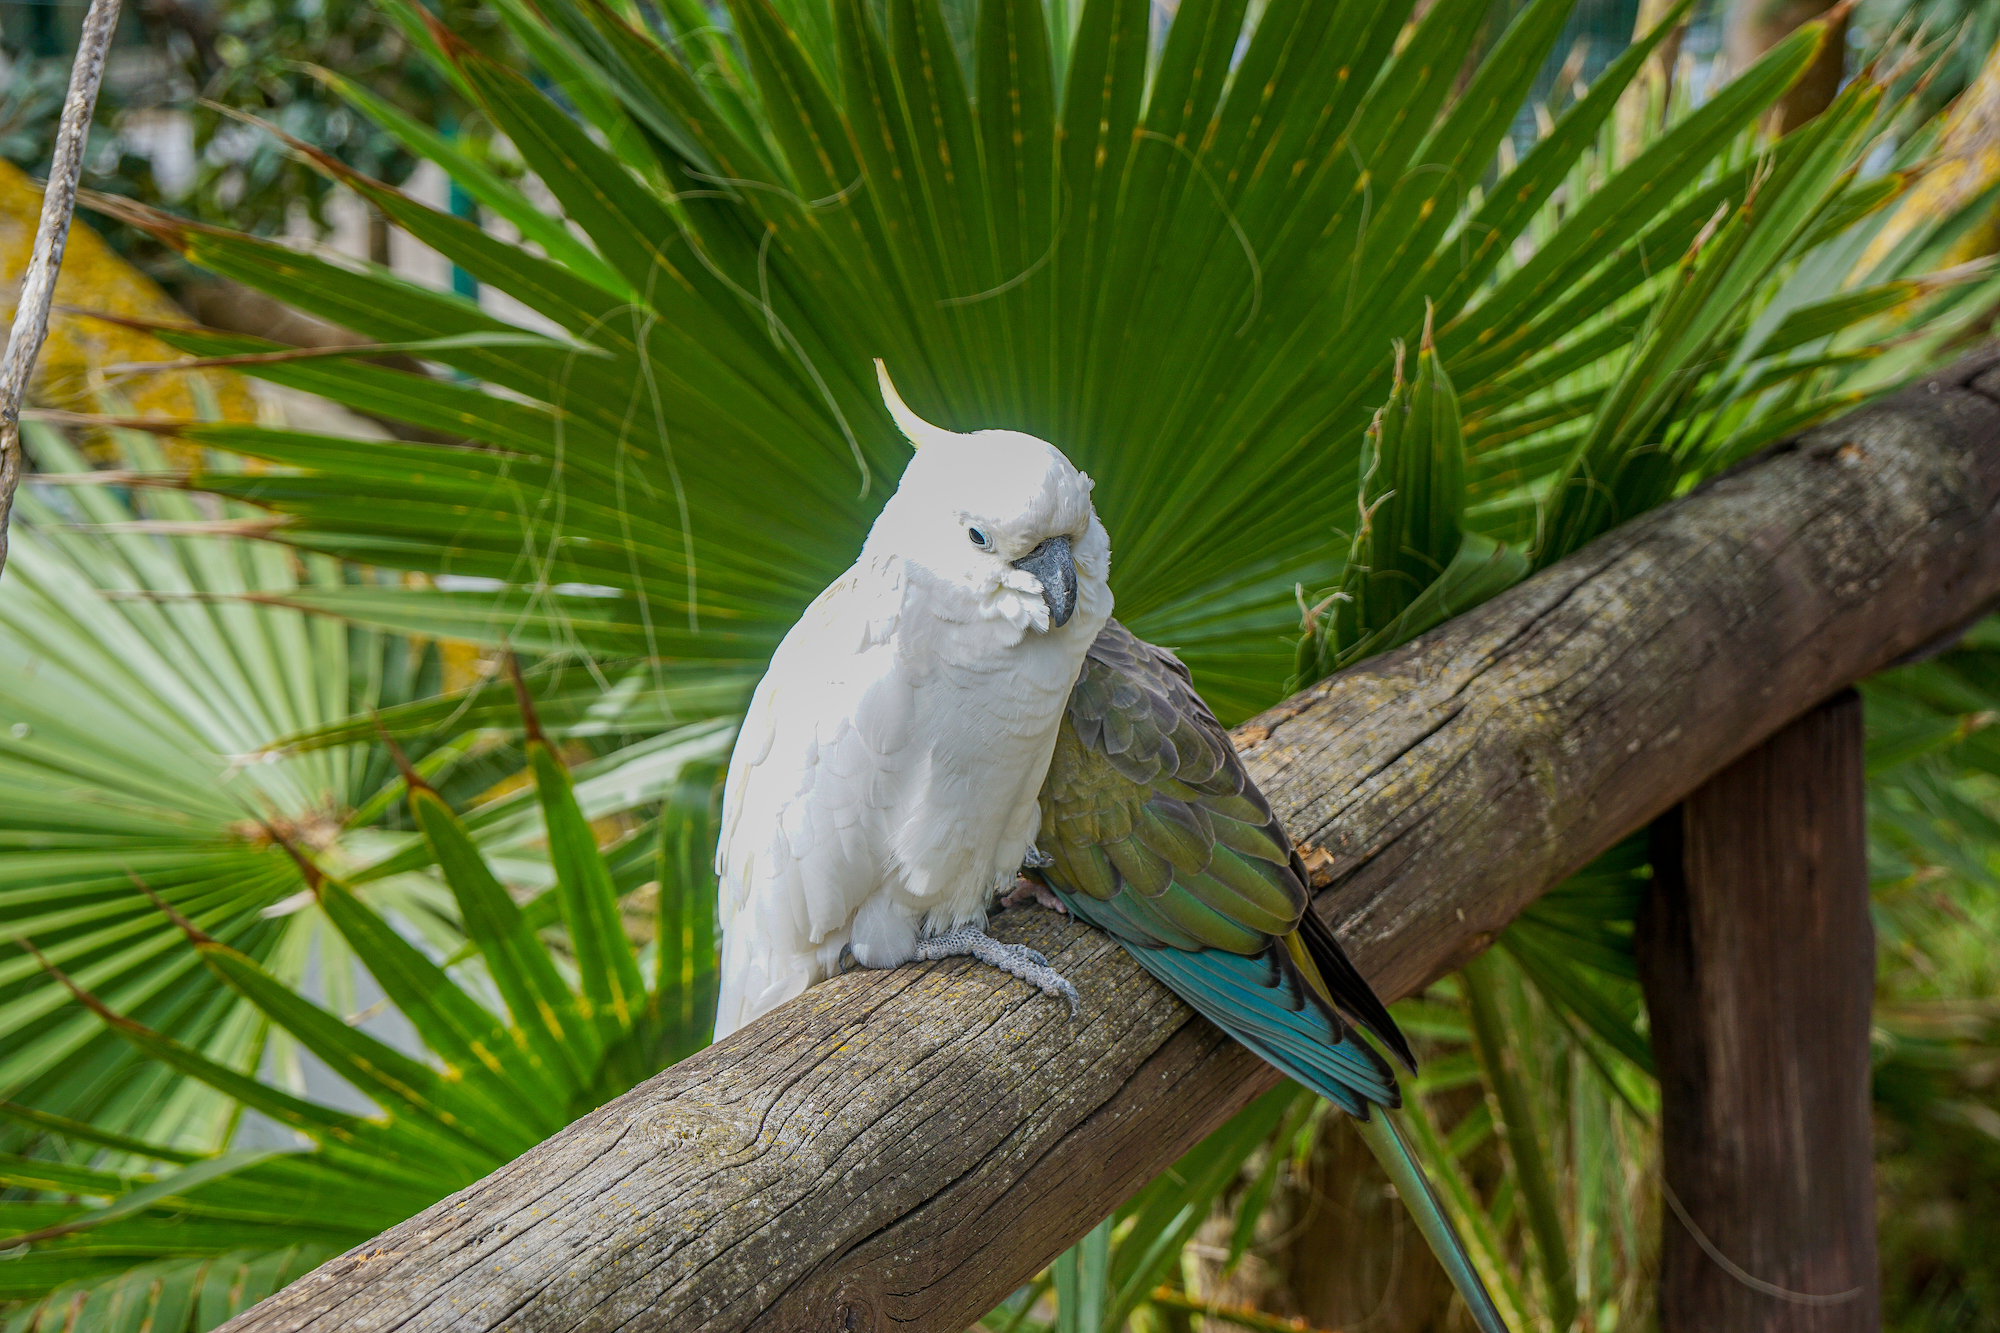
point(1382, 1138)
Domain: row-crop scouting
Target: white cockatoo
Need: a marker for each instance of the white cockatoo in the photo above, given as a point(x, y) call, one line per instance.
point(895, 771)
point(883, 786)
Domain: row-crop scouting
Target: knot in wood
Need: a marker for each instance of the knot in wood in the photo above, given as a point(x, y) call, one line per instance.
point(857, 1306)
point(706, 1130)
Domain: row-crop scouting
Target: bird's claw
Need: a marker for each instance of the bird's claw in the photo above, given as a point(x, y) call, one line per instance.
point(1037, 859)
point(1027, 891)
point(1030, 965)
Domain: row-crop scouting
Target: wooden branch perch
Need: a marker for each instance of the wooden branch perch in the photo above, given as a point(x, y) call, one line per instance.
point(904, 1148)
point(30, 325)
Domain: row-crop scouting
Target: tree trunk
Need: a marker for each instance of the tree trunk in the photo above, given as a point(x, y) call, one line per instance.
point(1354, 1259)
point(221, 303)
point(1642, 106)
point(1758, 960)
point(1755, 26)
point(904, 1148)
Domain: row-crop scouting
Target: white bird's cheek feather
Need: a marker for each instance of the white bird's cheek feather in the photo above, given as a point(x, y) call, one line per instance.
point(1017, 599)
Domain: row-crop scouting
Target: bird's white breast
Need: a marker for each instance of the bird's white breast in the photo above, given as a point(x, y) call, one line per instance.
point(887, 770)
point(989, 700)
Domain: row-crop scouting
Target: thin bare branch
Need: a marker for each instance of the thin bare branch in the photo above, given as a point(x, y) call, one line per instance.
point(38, 282)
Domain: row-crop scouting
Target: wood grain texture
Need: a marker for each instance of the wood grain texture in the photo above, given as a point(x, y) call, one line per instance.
point(1757, 954)
point(902, 1149)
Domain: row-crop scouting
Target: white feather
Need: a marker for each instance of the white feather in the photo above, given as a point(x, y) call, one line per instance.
point(884, 781)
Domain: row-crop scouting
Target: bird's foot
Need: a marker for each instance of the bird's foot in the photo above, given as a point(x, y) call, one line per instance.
point(1037, 859)
point(1027, 891)
point(1030, 965)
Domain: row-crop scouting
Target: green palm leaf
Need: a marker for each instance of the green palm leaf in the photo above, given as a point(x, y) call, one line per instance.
point(1185, 261)
point(446, 1115)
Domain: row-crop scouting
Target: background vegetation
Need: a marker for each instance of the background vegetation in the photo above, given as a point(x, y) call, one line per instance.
point(1348, 350)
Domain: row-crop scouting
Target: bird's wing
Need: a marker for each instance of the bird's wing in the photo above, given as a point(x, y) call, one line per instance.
point(1159, 838)
point(817, 762)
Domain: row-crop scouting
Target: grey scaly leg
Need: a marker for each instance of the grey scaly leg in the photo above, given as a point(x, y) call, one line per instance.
point(1017, 959)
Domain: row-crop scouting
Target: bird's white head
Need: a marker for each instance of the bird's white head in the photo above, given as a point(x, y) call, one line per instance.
point(1001, 521)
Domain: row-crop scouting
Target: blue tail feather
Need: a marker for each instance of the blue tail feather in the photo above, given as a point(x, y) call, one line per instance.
point(1379, 1132)
point(1239, 995)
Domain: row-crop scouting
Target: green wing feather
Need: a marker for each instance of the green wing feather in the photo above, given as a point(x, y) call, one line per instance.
point(1157, 836)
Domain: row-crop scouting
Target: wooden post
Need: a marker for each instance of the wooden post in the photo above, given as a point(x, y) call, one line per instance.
point(1758, 959)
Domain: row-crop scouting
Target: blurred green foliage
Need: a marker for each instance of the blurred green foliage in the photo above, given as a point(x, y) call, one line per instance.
point(204, 60)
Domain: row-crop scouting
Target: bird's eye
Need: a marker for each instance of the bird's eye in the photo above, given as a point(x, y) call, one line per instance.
point(978, 537)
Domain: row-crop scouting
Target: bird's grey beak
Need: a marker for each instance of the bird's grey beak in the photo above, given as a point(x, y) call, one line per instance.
point(1052, 563)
